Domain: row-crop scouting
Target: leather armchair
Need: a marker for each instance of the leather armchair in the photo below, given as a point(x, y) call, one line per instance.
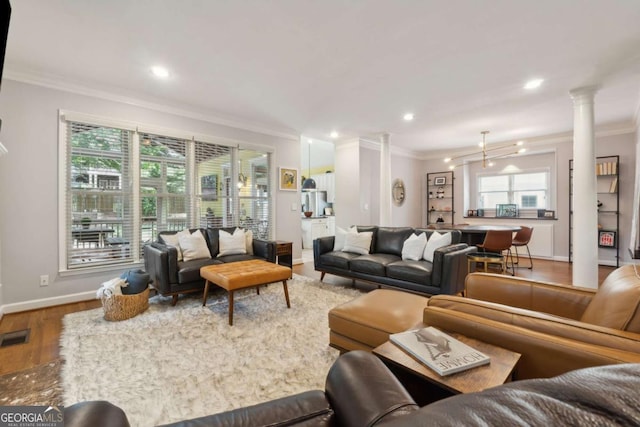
point(361, 391)
point(556, 328)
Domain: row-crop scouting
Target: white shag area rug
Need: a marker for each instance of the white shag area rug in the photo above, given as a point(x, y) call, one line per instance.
point(174, 363)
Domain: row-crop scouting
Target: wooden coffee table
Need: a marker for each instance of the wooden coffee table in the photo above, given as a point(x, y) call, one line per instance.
point(498, 371)
point(253, 273)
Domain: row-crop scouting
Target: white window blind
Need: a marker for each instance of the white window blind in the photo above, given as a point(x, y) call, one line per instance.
point(98, 200)
point(254, 192)
point(214, 187)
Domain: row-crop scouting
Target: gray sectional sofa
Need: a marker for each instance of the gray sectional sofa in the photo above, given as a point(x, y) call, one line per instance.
point(384, 264)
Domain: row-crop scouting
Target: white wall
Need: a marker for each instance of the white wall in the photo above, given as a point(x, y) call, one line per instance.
point(28, 186)
point(409, 170)
point(622, 144)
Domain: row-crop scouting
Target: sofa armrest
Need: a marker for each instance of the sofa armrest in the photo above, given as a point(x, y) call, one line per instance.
point(322, 245)
point(161, 262)
point(450, 267)
point(97, 413)
point(541, 322)
point(543, 355)
point(309, 407)
point(265, 249)
point(560, 300)
point(363, 391)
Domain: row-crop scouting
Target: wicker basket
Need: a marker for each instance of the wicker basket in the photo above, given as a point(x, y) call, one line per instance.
point(122, 307)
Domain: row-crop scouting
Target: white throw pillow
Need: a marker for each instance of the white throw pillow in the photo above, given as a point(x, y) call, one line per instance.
point(413, 247)
point(358, 243)
point(194, 246)
point(436, 241)
point(232, 244)
point(248, 240)
point(173, 240)
point(341, 234)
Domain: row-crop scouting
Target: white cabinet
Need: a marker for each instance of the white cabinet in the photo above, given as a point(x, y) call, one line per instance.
point(315, 228)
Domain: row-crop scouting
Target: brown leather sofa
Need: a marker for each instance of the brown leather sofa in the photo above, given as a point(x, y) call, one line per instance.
point(556, 328)
point(361, 391)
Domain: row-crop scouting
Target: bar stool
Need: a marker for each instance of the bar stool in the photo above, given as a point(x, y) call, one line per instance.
point(499, 241)
point(522, 238)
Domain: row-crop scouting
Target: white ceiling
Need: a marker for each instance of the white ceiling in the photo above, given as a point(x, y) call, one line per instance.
point(355, 66)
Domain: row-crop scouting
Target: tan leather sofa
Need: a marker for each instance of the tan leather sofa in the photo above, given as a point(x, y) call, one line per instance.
point(556, 328)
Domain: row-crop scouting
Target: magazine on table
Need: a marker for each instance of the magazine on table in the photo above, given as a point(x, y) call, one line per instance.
point(439, 351)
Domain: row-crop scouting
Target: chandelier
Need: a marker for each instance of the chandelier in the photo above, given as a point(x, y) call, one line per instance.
point(486, 155)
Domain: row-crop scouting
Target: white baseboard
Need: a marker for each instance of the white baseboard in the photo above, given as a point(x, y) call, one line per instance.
point(298, 261)
point(47, 302)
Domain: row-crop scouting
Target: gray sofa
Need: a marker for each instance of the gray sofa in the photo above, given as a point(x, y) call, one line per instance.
point(384, 264)
point(172, 277)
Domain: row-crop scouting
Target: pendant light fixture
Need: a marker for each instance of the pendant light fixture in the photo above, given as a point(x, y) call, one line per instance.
point(309, 183)
point(487, 154)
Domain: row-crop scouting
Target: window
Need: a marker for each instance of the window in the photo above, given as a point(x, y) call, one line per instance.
point(122, 186)
point(528, 190)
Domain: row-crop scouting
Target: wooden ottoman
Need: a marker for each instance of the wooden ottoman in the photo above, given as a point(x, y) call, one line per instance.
point(244, 274)
point(367, 321)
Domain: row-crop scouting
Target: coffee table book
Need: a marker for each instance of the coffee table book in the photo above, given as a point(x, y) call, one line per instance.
point(439, 351)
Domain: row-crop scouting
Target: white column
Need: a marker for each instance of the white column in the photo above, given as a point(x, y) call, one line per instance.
point(385, 180)
point(585, 212)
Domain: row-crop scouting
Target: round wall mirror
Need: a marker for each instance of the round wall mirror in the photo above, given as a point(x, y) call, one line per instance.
point(398, 192)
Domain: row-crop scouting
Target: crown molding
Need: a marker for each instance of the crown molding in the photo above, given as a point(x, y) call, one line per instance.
point(61, 85)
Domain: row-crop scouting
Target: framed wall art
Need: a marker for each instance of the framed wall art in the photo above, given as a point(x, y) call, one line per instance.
point(288, 179)
point(440, 180)
point(507, 210)
point(607, 239)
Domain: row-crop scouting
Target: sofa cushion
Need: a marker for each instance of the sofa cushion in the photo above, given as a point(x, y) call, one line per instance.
point(194, 246)
point(436, 241)
point(413, 247)
point(366, 228)
point(374, 264)
point(615, 304)
point(173, 239)
point(359, 243)
point(238, 257)
point(337, 259)
point(232, 244)
point(389, 240)
point(213, 239)
point(189, 271)
point(411, 271)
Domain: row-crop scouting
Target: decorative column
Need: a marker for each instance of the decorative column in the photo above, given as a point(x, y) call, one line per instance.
point(585, 211)
point(385, 180)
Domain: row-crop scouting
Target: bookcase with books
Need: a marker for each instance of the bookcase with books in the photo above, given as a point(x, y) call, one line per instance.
point(608, 196)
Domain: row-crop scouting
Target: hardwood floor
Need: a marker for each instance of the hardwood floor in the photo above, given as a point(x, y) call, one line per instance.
point(46, 324)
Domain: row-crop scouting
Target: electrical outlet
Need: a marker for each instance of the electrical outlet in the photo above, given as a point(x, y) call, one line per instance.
point(44, 280)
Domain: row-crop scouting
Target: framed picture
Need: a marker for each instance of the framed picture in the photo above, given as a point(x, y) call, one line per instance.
point(480, 212)
point(440, 180)
point(607, 239)
point(507, 210)
point(546, 214)
point(288, 179)
point(209, 187)
point(470, 212)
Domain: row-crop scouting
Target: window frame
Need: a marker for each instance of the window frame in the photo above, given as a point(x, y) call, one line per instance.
point(511, 191)
point(134, 160)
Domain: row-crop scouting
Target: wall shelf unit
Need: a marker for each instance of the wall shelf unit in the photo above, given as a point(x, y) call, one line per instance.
point(608, 193)
point(440, 198)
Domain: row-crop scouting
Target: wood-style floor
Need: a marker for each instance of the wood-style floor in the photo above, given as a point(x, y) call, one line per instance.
point(46, 324)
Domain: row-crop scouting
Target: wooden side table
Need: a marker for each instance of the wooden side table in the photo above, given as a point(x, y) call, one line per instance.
point(284, 254)
point(426, 386)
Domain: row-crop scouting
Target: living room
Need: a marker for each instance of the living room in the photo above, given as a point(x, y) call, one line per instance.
point(266, 81)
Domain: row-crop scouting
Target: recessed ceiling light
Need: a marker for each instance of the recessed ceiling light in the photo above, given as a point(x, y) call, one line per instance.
point(533, 84)
point(408, 117)
point(334, 134)
point(160, 72)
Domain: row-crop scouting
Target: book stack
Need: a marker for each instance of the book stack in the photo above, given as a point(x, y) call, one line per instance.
point(606, 168)
point(439, 351)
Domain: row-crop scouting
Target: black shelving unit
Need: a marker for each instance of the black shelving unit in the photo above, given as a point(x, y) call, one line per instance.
point(440, 198)
point(608, 191)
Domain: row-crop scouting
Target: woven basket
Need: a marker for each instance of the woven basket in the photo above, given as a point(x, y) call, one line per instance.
point(122, 307)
